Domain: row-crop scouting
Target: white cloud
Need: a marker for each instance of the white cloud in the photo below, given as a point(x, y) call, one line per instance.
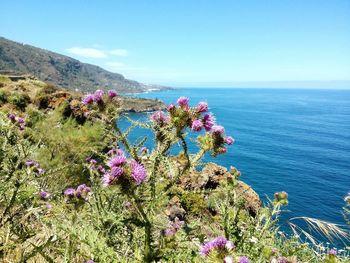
point(115, 65)
point(119, 52)
point(87, 52)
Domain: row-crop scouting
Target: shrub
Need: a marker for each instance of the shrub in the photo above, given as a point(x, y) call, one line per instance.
point(19, 100)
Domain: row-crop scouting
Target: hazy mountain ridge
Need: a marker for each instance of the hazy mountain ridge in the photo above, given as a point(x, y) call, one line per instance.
point(62, 70)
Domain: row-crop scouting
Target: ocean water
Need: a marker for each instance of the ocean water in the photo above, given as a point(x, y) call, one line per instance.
point(295, 140)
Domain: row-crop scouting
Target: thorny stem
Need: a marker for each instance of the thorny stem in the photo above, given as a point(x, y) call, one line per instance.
point(127, 145)
point(147, 224)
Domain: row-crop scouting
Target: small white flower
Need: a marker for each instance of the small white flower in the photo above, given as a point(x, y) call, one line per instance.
point(228, 259)
point(253, 240)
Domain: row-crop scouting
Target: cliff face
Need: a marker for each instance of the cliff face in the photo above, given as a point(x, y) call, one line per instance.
point(63, 71)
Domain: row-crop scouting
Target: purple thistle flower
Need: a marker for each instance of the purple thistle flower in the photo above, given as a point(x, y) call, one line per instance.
point(208, 121)
point(171, 107)
point(88, 99)
point(116, 172)
point(32, 163)
point(243, 259)
point(229, 140)
point(282, 260)
point(117, 161)
point(69, 192)
point(44, 195)
point(202, 107)
point(20, 120)
point(40, 171)
point(82, 190)
point(112, 93)
point(218, 129)
point(12, 117)
point(183, 102)
point(197, 125)
point(332, 252)
point(107, 180)
point(101, 169)
point(216, 243)
point(159, 118)
point(98, 96)
point(138, 172)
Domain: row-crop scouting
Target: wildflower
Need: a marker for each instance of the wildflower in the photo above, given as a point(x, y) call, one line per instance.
point(197, 125)
point(217, 129)
point(116, 172)
point(20, 120)
point(31, 163)
point(69, 192)
point(159, 118)
point(332, 252)
point(174, 227)
point(229, 140)
point(48, 206)
point(98, 96)
point(138, 172)
point(107, 180)
point(170, 107)
point(228, 259)
point(243, 259)
point(101, 169)
point(117, 161)
point(112, 93)
point(88, 99)
point(12, 117)
point(183, 102)
point(222, 150)
point(230, 245)
point(282, 260)
point(208, 121)
point(90, 261)
point(234, 171)
point(202, 107)
point(216, 243)
point(82, 190)
point(39, 171)
point(44, 195)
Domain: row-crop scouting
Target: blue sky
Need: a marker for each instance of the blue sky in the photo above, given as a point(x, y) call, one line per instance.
point(192, 42)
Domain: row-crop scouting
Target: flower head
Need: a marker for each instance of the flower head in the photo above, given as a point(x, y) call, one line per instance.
point(98, 96)
point(117, 161)
point(32, 163)
point(282, 260)
point(208, 121)
point(159, 118)
point(44, 195)
point(229, 140)
point(88, 99)
point(243, 259)
point(69, 192)
point(112, 93)
point(183, 102)
point(202, 107)
point(216, 243)
point(197, 125)
point(332, 252)
point(12, 117)
point(170, 107)
point(217, 129)
point(82, 190)
point(228, 259)
point(138, 172)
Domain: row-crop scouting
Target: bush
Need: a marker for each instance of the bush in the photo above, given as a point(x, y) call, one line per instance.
point(19, 100)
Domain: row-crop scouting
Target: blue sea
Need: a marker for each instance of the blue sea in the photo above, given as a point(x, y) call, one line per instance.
point(293, 140)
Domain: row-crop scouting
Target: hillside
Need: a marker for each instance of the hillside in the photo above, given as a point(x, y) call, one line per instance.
point(61, 70)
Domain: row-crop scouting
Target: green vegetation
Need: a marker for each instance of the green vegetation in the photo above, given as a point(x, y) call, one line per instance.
point(74, 189)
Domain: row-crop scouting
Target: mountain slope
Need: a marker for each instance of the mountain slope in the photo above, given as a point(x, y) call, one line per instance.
point(62, 70)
